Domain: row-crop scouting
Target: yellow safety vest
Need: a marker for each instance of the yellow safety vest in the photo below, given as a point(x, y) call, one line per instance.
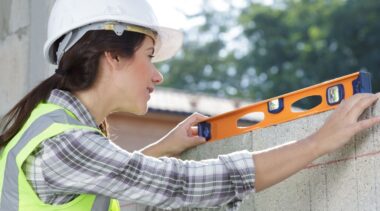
point(16, 194)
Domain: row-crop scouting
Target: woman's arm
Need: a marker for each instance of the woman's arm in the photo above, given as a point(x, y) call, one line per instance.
point(82, 161)
point(276, 164)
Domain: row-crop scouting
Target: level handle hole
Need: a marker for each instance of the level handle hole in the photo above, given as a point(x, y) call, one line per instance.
point(306, 103)
point(251, 119)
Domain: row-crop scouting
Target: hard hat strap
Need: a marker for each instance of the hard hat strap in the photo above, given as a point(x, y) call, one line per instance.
point(73, 36)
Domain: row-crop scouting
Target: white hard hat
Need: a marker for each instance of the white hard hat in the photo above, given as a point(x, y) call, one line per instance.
point(70, 15)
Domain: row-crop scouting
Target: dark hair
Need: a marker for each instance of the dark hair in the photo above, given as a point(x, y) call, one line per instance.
point(80, 68)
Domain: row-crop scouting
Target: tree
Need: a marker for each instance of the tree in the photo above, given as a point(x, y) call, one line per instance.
point(288, 46)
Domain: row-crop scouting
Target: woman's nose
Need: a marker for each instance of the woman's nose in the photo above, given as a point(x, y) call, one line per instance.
point(157, 77)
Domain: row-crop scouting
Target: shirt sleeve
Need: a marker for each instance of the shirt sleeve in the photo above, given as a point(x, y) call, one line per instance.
point(82, 161)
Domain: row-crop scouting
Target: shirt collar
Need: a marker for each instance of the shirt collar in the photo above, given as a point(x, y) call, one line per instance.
point(68, 101)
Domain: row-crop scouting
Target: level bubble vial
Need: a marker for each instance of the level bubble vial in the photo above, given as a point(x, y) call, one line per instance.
point(275, 106)
point(335, 94)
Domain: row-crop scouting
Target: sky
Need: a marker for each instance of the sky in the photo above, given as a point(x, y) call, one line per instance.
point(170, 13)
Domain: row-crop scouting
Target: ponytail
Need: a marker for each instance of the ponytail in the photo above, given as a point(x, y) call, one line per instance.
point(12, 122)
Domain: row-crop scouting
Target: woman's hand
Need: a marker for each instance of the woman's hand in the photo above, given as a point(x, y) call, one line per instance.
point(344, 123)
point(184, 136)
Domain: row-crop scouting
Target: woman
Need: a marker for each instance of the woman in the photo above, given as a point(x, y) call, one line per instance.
point(55, 151)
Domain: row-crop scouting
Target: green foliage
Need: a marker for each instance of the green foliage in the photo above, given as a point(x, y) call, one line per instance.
point(287, 46)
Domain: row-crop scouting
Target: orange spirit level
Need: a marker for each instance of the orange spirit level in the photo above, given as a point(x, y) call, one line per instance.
point(278, 110)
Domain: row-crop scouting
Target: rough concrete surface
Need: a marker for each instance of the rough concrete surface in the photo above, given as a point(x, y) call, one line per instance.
point(14, 43)
point(22, 33)
point(19, 16)
point(5, 13)
point(343, 180)
point(13, 62)
point(39, 69)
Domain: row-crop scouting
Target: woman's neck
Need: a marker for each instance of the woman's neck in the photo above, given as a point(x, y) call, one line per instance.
point(95, 103)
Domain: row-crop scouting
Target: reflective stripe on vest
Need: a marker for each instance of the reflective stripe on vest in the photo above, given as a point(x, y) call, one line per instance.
point(9, 200)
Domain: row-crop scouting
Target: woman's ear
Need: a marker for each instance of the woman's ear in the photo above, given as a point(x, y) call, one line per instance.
point(112, 59)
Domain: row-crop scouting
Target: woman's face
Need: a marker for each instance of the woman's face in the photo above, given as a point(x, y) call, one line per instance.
point(137, 79)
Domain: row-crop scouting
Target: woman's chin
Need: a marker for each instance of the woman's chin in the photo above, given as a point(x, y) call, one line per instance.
point(141, 111)
point(138, 110)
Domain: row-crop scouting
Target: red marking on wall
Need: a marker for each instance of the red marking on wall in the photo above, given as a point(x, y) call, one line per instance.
point(343, 159)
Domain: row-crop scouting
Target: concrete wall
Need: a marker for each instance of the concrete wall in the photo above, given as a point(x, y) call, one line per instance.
point(22, 33)
point(347, 179)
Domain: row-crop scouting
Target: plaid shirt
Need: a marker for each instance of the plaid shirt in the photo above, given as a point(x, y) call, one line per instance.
point(82, 161)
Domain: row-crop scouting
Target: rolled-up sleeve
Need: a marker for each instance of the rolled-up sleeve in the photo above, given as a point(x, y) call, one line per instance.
point(85, 162)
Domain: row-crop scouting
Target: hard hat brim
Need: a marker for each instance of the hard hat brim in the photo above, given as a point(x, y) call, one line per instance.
point(169, 42)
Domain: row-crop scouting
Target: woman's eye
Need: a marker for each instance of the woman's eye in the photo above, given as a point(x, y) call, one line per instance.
point(151, 56)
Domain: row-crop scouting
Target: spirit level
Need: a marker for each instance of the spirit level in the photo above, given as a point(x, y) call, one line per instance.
point(278, 109)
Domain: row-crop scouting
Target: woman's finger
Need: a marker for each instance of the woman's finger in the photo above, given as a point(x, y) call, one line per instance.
point(198, 140)
point(194, 130)
point(359, 107)
point(365, 124)
point(349, 104)
point(193, 119)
